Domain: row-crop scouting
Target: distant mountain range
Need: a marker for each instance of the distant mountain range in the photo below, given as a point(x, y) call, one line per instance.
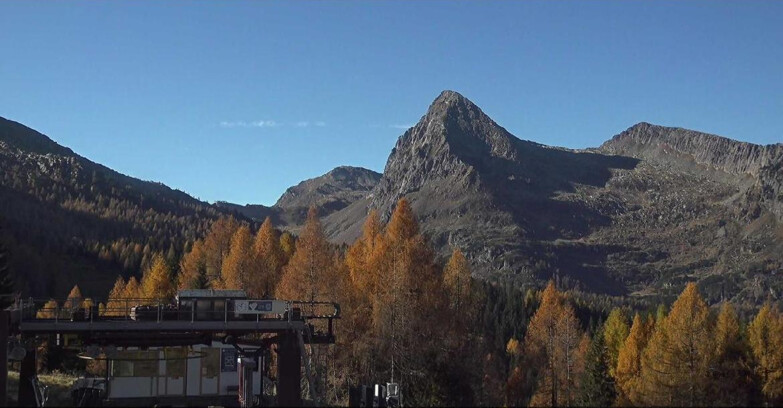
point(650, 209)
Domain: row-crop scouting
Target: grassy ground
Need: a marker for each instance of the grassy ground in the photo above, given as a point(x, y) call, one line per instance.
point(59, 388)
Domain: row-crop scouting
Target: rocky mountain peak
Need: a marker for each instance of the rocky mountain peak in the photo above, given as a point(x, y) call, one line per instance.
point(667, 144)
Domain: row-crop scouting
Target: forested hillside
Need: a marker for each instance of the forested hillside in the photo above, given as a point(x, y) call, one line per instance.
point(67, 220)
point(453, 340)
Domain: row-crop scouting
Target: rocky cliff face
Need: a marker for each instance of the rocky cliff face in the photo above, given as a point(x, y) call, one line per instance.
point(755, 168)
point(653, 142)
point(649, 210)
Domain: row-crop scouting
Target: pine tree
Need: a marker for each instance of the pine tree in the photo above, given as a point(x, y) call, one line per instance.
point(615, 332)
point(238, 267)
point(676, 363)
point(157, 282)
point(598, 389)
point(629, 365)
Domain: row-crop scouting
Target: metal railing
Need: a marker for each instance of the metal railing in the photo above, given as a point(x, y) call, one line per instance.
point(159, 310)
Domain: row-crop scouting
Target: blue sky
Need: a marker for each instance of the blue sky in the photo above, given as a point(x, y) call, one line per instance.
point(237, 101)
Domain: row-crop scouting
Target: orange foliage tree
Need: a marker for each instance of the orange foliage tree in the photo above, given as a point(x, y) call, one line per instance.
point(157, 282)
point(193, 268)
point(311, 273)
point(238, 266)
point(555, 340)
point(269, 259)
point(677, 362)
point(629, 362)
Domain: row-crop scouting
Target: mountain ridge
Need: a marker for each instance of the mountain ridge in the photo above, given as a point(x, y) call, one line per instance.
point(650, 208)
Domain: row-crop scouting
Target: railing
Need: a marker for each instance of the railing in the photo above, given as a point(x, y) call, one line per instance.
point(159, 310)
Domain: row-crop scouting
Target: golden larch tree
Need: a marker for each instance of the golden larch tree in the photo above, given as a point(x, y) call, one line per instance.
point(359, 257)
point(629, 362)
point(676, 363)
point(157, 281)
point(238, 267)
point(765, 335)
point(616, 330)
point(555, 342)
point(456, 280)
point(74, 298)
point(288, 245)
point(269, 259)
point(114, 307)
point(193, 268)
point(217, 245)
point(309, 276)
point(731, 376)
point(48, 310)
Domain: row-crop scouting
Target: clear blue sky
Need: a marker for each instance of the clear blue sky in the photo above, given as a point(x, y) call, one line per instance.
point(237, 101)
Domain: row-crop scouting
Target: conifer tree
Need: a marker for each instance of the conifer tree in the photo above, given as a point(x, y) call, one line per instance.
point(598, 389)
point(269, 259)
point(731, 377)
point(456, 280)
point(676, 363)
point(364, 274)
point(114, 306)
point(554, 339)
point(74, 298)
point(765, 335)
point(48, 311)
point(132, 289)
point(238, 267)
point(193, 268)
point(288, 245)
point(309, 276)
point(157, 282)
point(217, 245)
point(629, 362)
point(615, 332)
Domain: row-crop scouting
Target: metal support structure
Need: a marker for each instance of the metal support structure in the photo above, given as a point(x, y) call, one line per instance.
point(289, 374)
point(27, 396)
point(307, 362)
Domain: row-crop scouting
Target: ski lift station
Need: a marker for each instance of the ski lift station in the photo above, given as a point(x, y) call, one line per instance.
point(208, 347)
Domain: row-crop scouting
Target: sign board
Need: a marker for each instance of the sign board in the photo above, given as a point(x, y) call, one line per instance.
point(259, 307)
point(228, 360)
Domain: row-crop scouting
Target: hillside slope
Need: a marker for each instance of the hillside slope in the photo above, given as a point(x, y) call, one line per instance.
point(67, 220)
